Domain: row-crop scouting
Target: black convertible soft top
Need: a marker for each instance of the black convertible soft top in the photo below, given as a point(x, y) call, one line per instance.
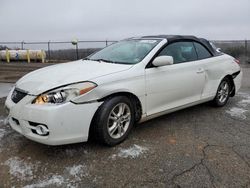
point(175, 38)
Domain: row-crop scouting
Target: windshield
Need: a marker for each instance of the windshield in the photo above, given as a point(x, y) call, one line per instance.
point(125, 52)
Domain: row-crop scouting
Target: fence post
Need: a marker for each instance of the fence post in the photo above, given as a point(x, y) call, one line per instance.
point(246, 49)
point(49, 50)
point(77, 54)
point(106, 42)
point(22, 43)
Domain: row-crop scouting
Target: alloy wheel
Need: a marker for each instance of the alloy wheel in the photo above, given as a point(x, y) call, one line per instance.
point(119, 120)
point(223, 92)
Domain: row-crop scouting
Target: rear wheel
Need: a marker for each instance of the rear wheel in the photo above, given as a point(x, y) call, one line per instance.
point(223, 93)
point(114, 120)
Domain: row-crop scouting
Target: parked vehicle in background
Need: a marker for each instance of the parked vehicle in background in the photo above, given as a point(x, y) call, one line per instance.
point(131, 81)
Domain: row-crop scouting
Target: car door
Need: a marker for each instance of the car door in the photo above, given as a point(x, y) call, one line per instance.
point(174, 85)
point(212, 66)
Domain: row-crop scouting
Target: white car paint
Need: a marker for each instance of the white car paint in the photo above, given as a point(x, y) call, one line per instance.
point(65, 121)
point(187, 87)
point(160, 90)
point(44, 79)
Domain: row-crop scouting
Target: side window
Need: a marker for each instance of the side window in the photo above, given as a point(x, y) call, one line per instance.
point(202, 52)
point(180, 51)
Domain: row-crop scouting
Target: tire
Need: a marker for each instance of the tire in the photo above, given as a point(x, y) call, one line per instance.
point(114, 120)
point(223, 93)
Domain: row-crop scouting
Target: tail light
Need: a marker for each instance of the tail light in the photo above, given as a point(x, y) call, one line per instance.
point(237, 61)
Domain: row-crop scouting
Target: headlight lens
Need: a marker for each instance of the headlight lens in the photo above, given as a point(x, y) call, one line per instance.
point(65, 94)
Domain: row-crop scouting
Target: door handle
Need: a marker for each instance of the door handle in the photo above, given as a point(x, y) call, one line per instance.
point(200, 70)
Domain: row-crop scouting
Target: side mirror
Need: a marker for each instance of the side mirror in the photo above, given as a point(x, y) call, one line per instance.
point(162, 61)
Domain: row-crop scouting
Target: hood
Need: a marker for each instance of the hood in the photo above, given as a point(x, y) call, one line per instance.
point(54, 76)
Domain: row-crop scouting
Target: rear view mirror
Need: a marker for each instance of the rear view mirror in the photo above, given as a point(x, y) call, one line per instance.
point(163, 60)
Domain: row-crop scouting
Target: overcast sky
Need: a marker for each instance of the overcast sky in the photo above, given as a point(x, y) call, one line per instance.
point(45, 20)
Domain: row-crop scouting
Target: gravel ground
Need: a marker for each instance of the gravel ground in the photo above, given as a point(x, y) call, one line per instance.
point(201, 146)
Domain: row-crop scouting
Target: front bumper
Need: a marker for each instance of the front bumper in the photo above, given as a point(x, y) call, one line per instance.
point(67, 123)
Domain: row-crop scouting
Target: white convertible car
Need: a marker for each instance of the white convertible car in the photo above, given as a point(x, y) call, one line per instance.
point(127, 82)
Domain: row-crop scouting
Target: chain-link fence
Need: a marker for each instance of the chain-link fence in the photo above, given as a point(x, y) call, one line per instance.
point(66, 50)
point(239, 49)
point(59, 50)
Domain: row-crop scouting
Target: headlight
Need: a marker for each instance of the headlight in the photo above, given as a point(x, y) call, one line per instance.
point(65, 94)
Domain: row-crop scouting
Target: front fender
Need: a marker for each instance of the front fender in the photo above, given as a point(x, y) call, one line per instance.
point(135, 86)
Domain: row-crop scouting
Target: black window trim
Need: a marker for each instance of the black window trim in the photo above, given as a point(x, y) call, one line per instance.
point(150, 65)
point(198, 59)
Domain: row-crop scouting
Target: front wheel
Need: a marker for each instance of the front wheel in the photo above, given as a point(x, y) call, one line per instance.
point(114, 120)
point(223, 93)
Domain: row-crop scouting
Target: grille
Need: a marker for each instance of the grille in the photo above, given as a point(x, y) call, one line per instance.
point(17, 95)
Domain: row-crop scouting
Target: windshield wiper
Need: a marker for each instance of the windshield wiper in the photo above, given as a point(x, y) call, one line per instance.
point(88, 59)
point(104, 60)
